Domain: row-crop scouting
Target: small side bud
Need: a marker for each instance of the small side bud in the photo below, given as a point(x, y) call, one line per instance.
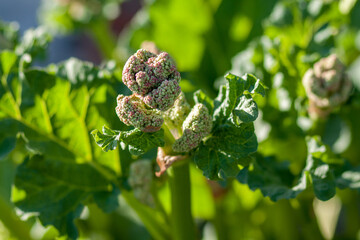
point(153, 78)
point(133, 112)
point(197, 125)
point(140, 179)
point(327, 86)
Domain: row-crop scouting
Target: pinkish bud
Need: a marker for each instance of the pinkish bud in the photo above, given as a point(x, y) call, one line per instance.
point(197, 125)
point(133, 112)
point(164, 96)
point(326, 85)
point(153, 78)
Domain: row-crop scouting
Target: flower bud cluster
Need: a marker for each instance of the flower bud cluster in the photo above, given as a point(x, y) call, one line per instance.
point(154, 81)
point(133, 112)
point(326, 85)
point(140, 179)
point(178, 112)
point(153, 78)
point(196, 126)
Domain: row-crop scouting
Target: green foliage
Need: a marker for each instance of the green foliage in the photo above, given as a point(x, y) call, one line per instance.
point(323, 170)
point(138, 142)
point(56, 190)
point(263, 142)
point(232, 139)
point(49, 116)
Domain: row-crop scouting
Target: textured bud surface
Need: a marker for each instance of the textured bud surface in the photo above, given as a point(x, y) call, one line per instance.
point(133, 112)
point(140, 178)
point(153, 78)
point(164, 96)
point(178, 112)
point(196, 126)
point(326, 85)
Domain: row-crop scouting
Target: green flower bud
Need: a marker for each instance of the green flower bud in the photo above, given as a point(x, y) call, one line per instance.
point(153, 78)
point(326, 85)
point(178, 112)
point(197, 125)
point(133, 112)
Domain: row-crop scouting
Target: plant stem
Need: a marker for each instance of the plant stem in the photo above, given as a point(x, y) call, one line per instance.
point(12, 222)
point(182, 221)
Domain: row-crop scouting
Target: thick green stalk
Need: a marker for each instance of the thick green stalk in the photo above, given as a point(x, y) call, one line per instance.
point(181, 218)
point(182, 223)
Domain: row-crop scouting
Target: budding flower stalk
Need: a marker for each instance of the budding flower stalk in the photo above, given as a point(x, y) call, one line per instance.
point(154, 81)
point(133, 112)
point(197, 125)
point(153, 78)
point(327, 86)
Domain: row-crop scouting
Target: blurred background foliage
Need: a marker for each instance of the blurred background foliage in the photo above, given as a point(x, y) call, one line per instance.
point(276, 40)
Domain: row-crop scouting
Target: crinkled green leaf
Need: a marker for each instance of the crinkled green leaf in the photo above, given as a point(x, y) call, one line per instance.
point(55, 190)
point(272, 178)
point(214, 164)
point(276, 181)
point(201, 97)
point(108, 139)
point(232, 140)
point(251, 84)
point(227, 99)
point(139, 142)
point(235, 99)
point(227, 148)
point(245, 111)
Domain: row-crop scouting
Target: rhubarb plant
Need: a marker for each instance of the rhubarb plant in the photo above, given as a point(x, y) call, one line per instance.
point(174, 144)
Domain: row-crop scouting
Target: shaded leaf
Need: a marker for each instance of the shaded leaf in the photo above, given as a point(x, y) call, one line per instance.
point(272, 178)
point(55, 190)
point(276, 181)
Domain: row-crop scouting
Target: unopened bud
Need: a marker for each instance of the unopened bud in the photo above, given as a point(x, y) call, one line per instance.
point(133, 112)
point(197, 125)
point(327, 86)
point(153, 78)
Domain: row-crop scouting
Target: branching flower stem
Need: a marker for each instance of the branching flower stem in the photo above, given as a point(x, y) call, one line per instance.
point(182, 222)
